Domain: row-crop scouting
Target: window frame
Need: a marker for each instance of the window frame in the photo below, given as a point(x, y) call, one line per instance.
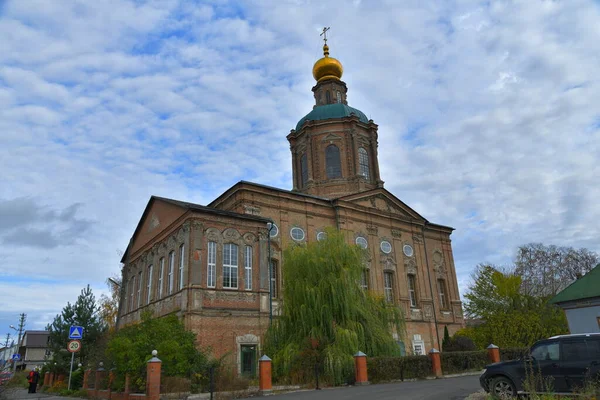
point(181, 264)
point(139, 289)
point(274, 287)
point(170, 271)
point(381, 246)
point(388, 287)
point(297, 228)
point(211, 265)
point(276, 230)
point(303, 169)
point(412, 291)
point(366, 245)
point(149, 284)
point(161, 272)
point(323, 237)
point(132, 293)
point(248, 267)
point(363, 163)
point(364, 279)
point(442, 294)
point(333, 162)
point(230, 270)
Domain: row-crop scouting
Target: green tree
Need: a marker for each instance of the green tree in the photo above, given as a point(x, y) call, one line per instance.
point(84, 312)
point(509, 317)
point(326, 316)
point(131, 347)
point(446, 340)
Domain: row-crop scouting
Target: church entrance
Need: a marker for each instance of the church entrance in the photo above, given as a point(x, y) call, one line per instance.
point(248, 361)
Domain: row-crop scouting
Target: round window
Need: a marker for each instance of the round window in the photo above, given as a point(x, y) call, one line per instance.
point(273, 229)
point(386, 246)
point(362, 242)
point(321, 236)
point(408, 250)
point(297, 234)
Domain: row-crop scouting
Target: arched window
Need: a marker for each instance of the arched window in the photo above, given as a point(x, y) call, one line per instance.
point(363, 161)
point(339, 96)
point(388, 287)
point(303, 169)
point(230, 266)
point(327, 97)
point(332, 162)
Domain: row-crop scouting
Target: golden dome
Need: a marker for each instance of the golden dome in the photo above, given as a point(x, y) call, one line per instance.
point(327, 67)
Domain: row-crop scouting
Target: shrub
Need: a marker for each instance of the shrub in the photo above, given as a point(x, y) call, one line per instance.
point(459, 343)
point(383, 369)
point(458, 362)
point(513, 353)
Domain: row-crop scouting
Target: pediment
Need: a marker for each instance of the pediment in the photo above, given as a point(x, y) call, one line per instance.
point(331, 137)
point(382, 200)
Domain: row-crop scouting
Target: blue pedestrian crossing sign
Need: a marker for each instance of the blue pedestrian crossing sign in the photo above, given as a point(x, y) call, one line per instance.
point(76, 332)
point(16, 356)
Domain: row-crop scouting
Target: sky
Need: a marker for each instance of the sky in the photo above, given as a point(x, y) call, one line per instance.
point(487, 111)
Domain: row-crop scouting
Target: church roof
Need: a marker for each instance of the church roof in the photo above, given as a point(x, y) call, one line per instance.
point(586, 287)
point(331, 111)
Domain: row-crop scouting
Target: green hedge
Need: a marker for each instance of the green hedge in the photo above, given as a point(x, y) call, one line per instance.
point(381, 369)
point(513, 353)
point(463, 361)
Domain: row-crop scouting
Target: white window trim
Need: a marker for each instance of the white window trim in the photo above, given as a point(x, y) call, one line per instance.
point(323, 235)
point(139, 292)
point(385, 242)
point(360, 245)
point(296, 228)
point(161, 272)
point(211, 262)
point(149, 286)
point(413, 291)
point(232, 267)
point(170, 273)
point(132, 293)
point(181, 264)
point(388, 289)
point(274, 232)
point(248, 267)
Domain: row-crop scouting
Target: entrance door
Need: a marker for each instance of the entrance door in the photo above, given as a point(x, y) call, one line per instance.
point(248, 361)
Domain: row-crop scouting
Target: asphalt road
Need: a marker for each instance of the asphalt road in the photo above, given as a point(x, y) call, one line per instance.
point(434, 389)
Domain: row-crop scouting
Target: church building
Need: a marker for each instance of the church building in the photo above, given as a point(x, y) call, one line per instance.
point(218, 267)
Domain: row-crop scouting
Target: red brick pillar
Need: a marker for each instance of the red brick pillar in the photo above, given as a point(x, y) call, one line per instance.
point(99, 378)
point(360, 369)
point(436, 362)
point(46, 378)
point(493, 353)
point(51, 379)
point(153, 377)
point(127, 384)
point(86, 378)
point(264, 375)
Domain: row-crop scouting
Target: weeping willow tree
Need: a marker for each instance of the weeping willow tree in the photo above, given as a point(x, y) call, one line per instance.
point(326, 316)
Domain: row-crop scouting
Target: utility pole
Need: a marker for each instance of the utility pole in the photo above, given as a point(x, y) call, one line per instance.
point(4, 359)
point(22, 319)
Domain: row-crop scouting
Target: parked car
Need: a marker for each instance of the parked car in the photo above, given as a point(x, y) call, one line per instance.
point(560, 364)
point(5, 377)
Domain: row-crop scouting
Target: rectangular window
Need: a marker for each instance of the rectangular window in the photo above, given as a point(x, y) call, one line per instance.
point(388, 287)
point(139, 292)
point(248, 267)
point(211, 273)
point(230, 266)
point(412, 294)
point(364, 279)
point(304, 169)
point(273, 279)
point(161, 272)
point(131, 293)
point(181, 264)
point(170, 273)
point(443, 296)
point(149, 286)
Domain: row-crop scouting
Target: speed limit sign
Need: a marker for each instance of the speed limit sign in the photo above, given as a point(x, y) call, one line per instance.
point(74, 346)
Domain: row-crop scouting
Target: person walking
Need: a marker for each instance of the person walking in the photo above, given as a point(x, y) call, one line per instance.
point(33, 378)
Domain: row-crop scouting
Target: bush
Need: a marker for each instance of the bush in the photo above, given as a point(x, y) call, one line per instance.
point(459, 343)
point(513, 353)
point(463, 361)
point(383, 369)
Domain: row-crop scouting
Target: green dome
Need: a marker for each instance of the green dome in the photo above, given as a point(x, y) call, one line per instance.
point(331, 111)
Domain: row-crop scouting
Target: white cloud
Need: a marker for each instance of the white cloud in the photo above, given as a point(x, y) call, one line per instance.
point(487, 117)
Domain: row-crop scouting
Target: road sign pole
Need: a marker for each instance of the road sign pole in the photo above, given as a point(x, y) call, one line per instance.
point(71, 369)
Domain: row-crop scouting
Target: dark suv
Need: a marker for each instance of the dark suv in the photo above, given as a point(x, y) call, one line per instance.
point(560, 364)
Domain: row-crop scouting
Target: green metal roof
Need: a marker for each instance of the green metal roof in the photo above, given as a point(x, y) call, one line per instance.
point(583, 288)
point(331, 111)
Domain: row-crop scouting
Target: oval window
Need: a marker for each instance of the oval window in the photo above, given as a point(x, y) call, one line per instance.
point(273, 229)
point(408, 250)
point(386, 247)
point(362, 242)
point(321, 236)
point(297, 234)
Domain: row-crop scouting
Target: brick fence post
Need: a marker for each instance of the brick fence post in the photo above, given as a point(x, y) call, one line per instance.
point(264, 375)
point(99, 377)
point(153, 377)
point(493, 353)
point(51, 379)
point(86, 378)
point(360, 369)
point(127, 384)
point(46, 378)
point(436, 362)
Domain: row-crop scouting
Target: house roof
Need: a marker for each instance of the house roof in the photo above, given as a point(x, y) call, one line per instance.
point(189, 206)
point(588, 286)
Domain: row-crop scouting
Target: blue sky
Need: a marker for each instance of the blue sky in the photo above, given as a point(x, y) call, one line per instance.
point(487, 113)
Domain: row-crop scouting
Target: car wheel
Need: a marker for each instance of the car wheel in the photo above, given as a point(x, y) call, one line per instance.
point(502, 388)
